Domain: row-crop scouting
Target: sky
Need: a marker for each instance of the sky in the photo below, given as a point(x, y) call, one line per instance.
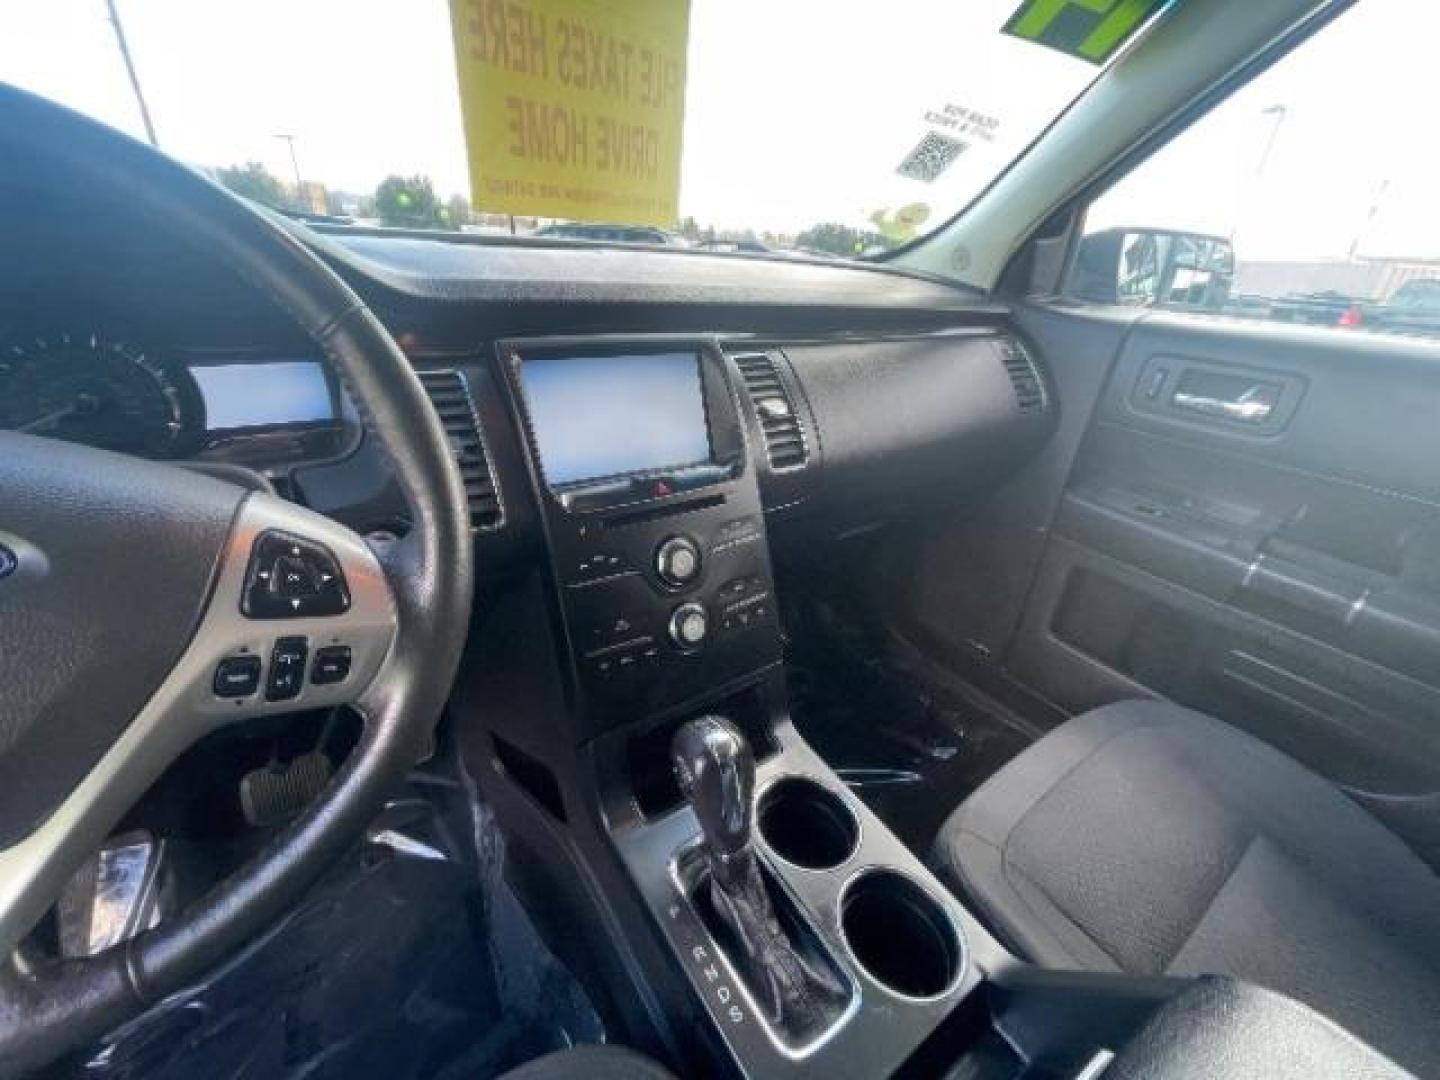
point(1354, 136)
point(797, 111)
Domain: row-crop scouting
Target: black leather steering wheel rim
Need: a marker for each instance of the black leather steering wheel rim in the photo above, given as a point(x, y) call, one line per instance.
point(48, 1008)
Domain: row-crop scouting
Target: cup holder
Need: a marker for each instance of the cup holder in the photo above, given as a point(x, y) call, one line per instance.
point(900, 935)
point(807, 824)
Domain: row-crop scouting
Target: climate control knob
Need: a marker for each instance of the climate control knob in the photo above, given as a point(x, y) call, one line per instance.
point(677, 561)
point(689, 626)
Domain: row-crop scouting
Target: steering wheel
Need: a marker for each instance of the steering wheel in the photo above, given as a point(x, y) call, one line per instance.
point(126, 584)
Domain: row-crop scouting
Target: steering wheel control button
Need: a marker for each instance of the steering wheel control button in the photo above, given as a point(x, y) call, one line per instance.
point(287, 669)
point(689, 626)
point(237, 676)
point(332, 665)
point(677, 561)
point(293, 578)
point(290, 577)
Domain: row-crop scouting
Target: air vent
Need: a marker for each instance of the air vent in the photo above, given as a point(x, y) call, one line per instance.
point(784, 440)
point(1029, 387)
point(449, 392)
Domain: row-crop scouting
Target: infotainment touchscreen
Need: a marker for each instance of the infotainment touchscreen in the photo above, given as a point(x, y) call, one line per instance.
point(601, 416)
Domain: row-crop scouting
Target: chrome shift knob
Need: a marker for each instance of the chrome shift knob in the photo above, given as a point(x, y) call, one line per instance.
point(716, 773)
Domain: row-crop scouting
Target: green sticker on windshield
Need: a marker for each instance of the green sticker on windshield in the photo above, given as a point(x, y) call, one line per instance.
point(1089, 29)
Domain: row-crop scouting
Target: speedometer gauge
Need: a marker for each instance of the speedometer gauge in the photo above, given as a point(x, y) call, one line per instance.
point(84, 389)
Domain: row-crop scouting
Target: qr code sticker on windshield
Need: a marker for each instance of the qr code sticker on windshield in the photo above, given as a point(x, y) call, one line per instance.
point(931, 157)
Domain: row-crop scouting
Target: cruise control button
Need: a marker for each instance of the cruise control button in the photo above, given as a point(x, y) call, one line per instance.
point(291, 577)
point(332, 665)
point(237, 676)
point(287, 668)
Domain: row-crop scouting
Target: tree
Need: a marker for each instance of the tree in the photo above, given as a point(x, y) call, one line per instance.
point(690, 229)
point(837, 239)
point(456, 211)
point(348, 204)
point(900, 226)
point(253, 181)
point(407, 202)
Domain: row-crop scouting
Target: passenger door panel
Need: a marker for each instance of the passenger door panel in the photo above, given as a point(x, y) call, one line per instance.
point(1252, 527)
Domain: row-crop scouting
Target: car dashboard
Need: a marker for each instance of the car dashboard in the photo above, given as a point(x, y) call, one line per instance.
point(646, 439)
point(849, 394)
point(180, 360)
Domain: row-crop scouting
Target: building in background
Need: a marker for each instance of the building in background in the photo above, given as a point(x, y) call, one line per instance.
point(1367, 279)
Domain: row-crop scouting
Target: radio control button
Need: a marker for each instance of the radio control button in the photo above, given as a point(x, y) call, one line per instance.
point(677, 561)
point(689, 626)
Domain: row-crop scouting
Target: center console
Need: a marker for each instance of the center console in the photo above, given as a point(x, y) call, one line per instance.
point(834, 947)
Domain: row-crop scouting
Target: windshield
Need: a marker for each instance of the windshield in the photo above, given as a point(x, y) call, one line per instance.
point(826, 127)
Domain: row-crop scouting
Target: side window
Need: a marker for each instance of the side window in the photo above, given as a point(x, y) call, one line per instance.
point(1306, 197)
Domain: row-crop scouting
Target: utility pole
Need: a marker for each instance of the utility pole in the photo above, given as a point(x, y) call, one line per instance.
point(1279, 112)
point(1364, 231)
point(130, 70)
point(295, 164)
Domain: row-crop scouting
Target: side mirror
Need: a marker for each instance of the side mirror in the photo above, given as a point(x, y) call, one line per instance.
point(1154, 268)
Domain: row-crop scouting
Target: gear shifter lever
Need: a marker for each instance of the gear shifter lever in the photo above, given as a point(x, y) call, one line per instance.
point(716, 773)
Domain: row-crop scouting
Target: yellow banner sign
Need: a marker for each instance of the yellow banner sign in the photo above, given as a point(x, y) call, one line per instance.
point(574, 108)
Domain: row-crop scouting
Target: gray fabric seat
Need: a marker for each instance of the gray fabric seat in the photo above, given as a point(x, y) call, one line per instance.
point(590, 1063)
point(1147, 838)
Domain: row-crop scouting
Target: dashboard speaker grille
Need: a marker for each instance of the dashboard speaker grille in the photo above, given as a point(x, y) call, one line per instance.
point(784, 439)
point(1029, 387)
point(449, 392)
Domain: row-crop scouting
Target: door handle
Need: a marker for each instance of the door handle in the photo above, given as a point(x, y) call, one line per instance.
point(1253, 406)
